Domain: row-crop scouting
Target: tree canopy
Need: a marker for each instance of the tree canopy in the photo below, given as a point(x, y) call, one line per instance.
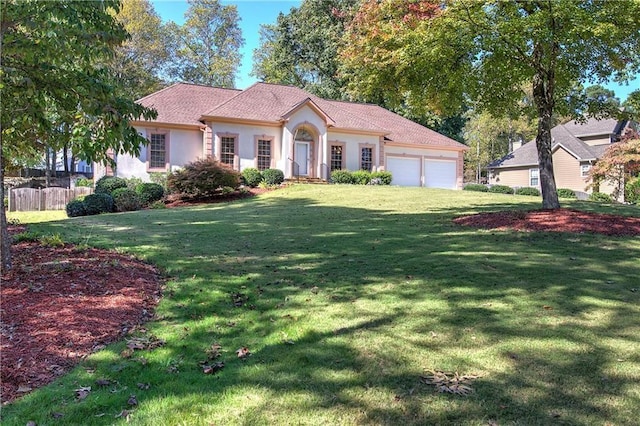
point(446, 54)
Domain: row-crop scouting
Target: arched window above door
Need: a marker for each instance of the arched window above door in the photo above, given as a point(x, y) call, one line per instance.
point(303, 134)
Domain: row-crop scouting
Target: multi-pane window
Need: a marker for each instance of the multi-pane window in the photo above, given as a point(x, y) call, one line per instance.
point(264, 154)
point(227, 150)
point(366, 159)
point(336, 157)
point(534, 177)
point(584, 170)
point(158, 151)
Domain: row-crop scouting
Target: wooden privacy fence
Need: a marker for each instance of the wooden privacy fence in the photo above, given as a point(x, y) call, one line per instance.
point(30, 199)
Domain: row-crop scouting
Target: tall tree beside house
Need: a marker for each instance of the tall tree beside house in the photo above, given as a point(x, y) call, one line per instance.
point(53, 79)
point(485, 51)
point(632, 104)
point(207, 46)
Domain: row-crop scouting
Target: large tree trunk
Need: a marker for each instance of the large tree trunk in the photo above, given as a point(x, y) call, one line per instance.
point(5, 242)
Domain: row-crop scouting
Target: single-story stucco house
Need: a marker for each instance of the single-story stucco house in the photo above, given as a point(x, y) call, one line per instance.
point(576, 146)
point(285, 127)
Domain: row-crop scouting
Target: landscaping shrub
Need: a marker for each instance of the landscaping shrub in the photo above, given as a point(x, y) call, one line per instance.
point(501, 189)
point(84, 182)
point(526, 190)
point(566, 193)
point(632, 191)
point(252, 177)
point(342, 176)
point(98, 203)
point(133, 182)
point(160, 178)
point(108, 184)
point(149, 192)
point(384, 177)
point(75, 208)
point(126, 200)
point(475, 187)
point(361, 177)
point(273, 176)
point(203, 178)
point(158, 205)
point(600, 197)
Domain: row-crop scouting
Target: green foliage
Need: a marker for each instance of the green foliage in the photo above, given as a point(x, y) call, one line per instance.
point(273, 176)
point(566, 193)
point(600, 197)
point(620, 162)
point(632, 191)
point(84, 182)
point(125, 200)
point(158, 205)
point(383, 176)
point(252, 177)
point(528, 191)
point(149, 192)
point(98, 203)
point(51, 240)
point(133, 182)
point(501, 189)
point(475, 187)
point(108, 184)
point(76, 208)
point(342, 177)
point(27, 236)
point(203, 178)
point(361, 177)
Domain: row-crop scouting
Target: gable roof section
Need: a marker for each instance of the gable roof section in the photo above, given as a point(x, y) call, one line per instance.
point(183, 103)
point(593, 126)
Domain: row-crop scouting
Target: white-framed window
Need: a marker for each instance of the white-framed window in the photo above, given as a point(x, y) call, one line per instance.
point(263, 158)
point(584, 170)
point(337, 157)
point(157, 150)
point(534, 177)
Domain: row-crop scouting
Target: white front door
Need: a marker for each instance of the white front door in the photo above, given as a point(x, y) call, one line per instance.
point(301, 155)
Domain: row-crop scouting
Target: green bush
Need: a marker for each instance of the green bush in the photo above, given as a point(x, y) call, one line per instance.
point(160, 178)
point(475, 187)
point(98, 203)
point(600, 197)
point(84, 182)
point(158, 205)
point(361, 177)
point(126, 200)
point(75, 208)
point(252, 177)
point(133, 182)
point(273, 176)
point(632, 191)
point(566, 193)
point(149, 192)
point(528, 191)
point(383, 177)
point(342, 176)
point(108, 184)
point(203, 178)
point(501, 189)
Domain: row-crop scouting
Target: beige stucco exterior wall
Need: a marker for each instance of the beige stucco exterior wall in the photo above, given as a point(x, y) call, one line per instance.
point(246, 141)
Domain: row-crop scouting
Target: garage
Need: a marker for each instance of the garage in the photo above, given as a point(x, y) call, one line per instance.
point(405, 171)
point(440, 174)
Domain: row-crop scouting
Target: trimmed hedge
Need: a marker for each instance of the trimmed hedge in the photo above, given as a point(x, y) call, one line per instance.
point(75, 208)
point(361, 177)
point(126, 200)
point(273, 176)
point(566, 193)
point(384, 177)
point(252, 177)
point(475, 187)
point(600, 197)
point(108, 184)
point(203, 178)
point(149, 192)
point(342, 177)
point(98, 203)
point(501, 189)
point(528, 191)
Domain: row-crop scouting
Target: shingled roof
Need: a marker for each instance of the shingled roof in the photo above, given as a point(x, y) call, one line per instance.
point(184, 103)
point(566, 136)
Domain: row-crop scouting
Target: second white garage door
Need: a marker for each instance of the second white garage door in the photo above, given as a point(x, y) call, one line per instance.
point(404, 171)
point(440, 174)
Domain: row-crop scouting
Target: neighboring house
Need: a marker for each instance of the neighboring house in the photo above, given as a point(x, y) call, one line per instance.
point(284, 127)
point(575, 148)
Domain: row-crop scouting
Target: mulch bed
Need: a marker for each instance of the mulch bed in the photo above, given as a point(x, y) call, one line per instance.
point(59, 304)
point(561, 220)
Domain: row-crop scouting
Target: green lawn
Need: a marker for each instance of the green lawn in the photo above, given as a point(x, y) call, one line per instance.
point(352, 294)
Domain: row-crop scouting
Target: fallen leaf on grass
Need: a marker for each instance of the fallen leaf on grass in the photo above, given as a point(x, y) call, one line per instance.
point(212, 368)
point(239, 299)
point(214, 351)
point(124, 414)
point(143, 386)
point(243, 352)
point(132, 400)
point(31, 423)
point(450, 382)
point(56, 415)
point(103, 382)
point(548, 308)
point(23, 389)
point(83, 392)
point(141, 343)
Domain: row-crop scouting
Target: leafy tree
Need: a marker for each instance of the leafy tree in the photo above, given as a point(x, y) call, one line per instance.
point(53, 80)
point(620, 162)
point(208, 44)
point(301, 48)
point(443, 54)
point(632, 104)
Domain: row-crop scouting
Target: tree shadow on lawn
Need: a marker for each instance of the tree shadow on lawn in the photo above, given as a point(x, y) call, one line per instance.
point(543, 317)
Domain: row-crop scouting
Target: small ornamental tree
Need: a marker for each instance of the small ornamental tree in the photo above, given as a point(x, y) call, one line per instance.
point(620, 162)
point(203, 178)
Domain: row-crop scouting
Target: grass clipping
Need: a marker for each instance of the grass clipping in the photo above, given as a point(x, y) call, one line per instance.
point(450, 382)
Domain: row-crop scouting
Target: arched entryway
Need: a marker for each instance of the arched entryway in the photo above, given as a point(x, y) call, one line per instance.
point(304, 144)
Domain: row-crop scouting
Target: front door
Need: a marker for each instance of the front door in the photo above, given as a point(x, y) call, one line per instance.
point(301, 155)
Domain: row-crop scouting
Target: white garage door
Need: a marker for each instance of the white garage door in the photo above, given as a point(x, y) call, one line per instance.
point(440, 174)
point(405, 171)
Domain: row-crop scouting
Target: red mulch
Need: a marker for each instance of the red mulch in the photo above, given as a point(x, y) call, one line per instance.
point(59, 304)
point(176, 201)
point(561, 220)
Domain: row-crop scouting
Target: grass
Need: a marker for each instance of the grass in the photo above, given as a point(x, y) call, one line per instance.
point(353, 293)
